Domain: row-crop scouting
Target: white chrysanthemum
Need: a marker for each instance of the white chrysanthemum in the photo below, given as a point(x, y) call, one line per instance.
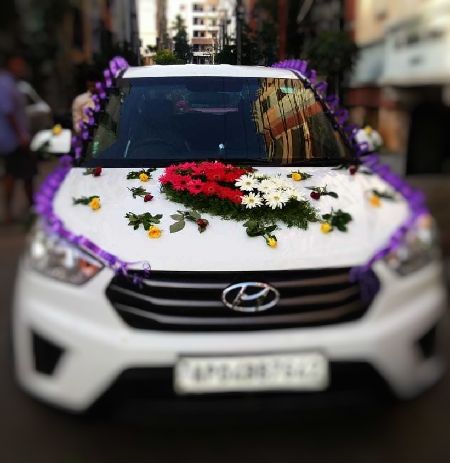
point(260, 175)
point(295, 194)
point(265, 186)
point(252, 200)
point(281, 183)
point(246, 182)
point(276, 198)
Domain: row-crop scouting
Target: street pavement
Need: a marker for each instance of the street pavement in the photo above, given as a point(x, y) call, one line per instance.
point(345, 430)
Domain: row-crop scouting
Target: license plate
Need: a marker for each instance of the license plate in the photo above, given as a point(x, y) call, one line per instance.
point(277, 372)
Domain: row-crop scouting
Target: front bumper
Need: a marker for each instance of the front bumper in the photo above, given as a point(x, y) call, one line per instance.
point(98, 347)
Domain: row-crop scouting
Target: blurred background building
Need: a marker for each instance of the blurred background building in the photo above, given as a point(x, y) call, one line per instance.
point(208, 24)
point(387, 59)
point(401, 82)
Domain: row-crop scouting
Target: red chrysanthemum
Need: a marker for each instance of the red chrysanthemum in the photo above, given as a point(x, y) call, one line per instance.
point(210, 188)
point(195, 186)
point(208, 178)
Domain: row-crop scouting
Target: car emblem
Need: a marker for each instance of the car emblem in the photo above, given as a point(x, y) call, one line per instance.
point(250, 297)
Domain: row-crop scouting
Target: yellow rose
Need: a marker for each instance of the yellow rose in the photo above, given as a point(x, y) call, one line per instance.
point(154, 232)
point(296, 176)
point(375, 201)
point(143, 177)
point(95, 204)
point(57, 130)
point(271, 242)
point(326, 227)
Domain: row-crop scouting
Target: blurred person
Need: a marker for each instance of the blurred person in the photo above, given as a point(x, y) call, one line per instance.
point(19, 162)
point(84, 100)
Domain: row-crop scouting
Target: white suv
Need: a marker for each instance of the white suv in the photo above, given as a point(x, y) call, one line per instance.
point(131, 271)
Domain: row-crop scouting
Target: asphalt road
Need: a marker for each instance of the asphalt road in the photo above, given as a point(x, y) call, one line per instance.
point(347, 430)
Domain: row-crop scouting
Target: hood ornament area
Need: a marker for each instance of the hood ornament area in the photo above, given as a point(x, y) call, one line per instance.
point(250, 297)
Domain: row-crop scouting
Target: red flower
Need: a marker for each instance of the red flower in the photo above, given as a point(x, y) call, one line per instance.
point(202, 224)
point(353, 169)
point(185, 166)
point(205, 177)
point(210, 188)
point(180, 182)
point(147, 198)
point(164, 179)
point(315, 195)
point(97, 172)
point(236, 198)
point(195, 187)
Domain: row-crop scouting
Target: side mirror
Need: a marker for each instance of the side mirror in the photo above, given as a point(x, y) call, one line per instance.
point(54, 141)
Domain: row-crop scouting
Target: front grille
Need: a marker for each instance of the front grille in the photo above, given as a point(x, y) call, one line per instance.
point(191, 301)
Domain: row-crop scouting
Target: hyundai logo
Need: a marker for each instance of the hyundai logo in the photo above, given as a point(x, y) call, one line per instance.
point(250, 297)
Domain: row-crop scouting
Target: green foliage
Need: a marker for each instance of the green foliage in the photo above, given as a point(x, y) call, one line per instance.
point(182, 50)
point(259, 48)
point(304, 175)
point(192, 216)
point(331, 53)
point(166, 57)
point(384, 195)
point(85, 200)
point(138, 191)
point(346, 166)
point(294, 213)
point(134, 175)
point(322, 190)
point(257, 228)
point(146, 220)
point(227, 55)
point(338, 219)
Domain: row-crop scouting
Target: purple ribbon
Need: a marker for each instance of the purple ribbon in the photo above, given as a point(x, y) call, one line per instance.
point(45, 196)
point(364, 274)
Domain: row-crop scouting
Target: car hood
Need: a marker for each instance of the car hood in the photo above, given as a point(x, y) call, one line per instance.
point(224, 246)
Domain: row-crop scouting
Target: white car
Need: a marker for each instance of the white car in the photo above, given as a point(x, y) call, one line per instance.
point(191, 303)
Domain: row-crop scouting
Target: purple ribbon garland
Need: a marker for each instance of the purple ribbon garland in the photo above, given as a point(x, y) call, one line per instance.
point(364, 273)
point(415, 199)
point(45, 196)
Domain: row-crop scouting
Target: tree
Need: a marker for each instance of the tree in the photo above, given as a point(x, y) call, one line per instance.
point(166, 57)
point(254, 50)
point(332, 54)
point(182, 50)
point(227, 55)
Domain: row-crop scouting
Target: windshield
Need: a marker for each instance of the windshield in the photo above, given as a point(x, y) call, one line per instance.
point(255, 120)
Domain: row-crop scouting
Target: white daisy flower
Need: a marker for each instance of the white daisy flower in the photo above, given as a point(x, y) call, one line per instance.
point(295, 194)
point(246, 182)
point(276, 181)
point(276, 198)
point(260, 175)
point(265, 186)
point(252, 200)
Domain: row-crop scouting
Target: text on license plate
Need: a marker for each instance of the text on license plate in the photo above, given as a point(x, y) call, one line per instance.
point(293, 371)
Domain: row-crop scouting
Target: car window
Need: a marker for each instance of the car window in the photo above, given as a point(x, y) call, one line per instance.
point(265, 120)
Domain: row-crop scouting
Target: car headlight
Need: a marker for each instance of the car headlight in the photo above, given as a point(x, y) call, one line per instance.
point(419, 247)
point(56, 258)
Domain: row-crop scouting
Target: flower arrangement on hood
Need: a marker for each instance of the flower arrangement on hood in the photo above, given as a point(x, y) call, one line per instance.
point(238, 193)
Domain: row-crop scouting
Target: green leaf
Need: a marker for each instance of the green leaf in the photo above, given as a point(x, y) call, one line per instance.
point(177, 217)
point(332, 194)
point(195, 214)
point(177, 226)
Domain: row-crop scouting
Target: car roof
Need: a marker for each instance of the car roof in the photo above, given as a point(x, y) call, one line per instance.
point(206, 70)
